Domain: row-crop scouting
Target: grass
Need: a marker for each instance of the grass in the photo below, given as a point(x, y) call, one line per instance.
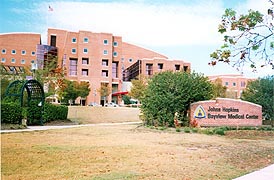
point(131, 152)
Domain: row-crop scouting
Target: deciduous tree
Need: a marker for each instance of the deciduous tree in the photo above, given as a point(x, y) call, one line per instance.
point(261, 91)
point(168, 93)
point(248, 39)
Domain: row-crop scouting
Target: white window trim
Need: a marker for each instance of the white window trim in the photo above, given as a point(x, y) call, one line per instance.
point(104, 42)
point(3, 50)
point(14, 60)
point(3, 60)
point(72, 51)
point(114, 44)
point(84, 51)
point(33, 53)
point(115, 54)
point(106, 52)
point(23, 61)
point(14, 51)
point(75, 40)
point(23, 51)
point(85, 41)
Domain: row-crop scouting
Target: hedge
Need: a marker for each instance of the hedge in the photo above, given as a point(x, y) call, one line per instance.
point(11, 113)
point(54, 112)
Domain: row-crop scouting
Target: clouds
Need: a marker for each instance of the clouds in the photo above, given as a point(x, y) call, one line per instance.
point(148, 24)
point(180, 29)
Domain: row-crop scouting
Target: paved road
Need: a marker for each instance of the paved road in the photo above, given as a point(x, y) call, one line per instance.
point(263, 174)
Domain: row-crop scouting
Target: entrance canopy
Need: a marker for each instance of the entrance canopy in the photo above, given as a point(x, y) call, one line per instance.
point(119, 93)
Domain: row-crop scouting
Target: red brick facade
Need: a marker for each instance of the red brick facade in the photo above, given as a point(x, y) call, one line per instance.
point(226, 112)
point(235, 84)
point(101, 58)
point(19, 49)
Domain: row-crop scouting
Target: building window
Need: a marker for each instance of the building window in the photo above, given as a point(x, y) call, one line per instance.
point(72, 67)
point(84, 72)
point(177, 67)
point(149, 70)
point(105, 52)
point(3, 51)
point(160, 66)
point(130, 60)
point(23, 61)
point(234, 84)
point(13, 51)
point(33, 53)
point(73, 40)
point(115, 69)
point(104, 73)
point(3, 60)
point(53, 40)
point(104, 62)
point(226, 83)
point(242, 83)
point(13, 60)
point(85, 50)
point(185, 68)
point(115, 54)
point(115, 44)
point(105, 42)
point(73, 51)
point(85, 61)
point(85, 40)
point(23, 52)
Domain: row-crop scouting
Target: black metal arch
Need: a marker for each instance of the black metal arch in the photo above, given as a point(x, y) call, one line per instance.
point(35, 93)
point(34, 90)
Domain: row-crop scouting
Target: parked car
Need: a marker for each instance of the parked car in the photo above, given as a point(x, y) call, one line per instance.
point(94, 104)
point(111, 104)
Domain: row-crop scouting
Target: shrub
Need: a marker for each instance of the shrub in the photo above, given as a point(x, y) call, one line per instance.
point(54, 112)
point(11, 113)
point(34, 113)
point(195, 130)
point(187, 130)
point(219, 131)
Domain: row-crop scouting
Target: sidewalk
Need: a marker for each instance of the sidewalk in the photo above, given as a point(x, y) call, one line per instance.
point(43, 128)
point(266, 173)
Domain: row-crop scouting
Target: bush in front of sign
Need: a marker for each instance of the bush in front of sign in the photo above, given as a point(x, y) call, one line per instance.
point(169, 93)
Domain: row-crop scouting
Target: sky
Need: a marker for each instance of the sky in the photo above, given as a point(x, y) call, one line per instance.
point(179, 29)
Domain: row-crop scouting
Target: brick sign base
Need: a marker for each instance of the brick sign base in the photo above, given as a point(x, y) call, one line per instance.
point(226, 112)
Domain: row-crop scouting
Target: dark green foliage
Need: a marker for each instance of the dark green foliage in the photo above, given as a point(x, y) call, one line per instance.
point(170, 92)
point(126, 99)
point(54, 112)
point(219, 131)
point(11, 113)
point(261, 91)
point(34, 113)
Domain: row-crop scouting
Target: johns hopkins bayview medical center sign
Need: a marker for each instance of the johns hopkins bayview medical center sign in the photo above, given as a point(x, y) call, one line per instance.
point(226, 112)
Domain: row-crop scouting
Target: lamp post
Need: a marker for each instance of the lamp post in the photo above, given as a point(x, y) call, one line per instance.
point(33, 68)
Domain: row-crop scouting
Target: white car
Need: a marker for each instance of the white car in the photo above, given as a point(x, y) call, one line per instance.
point(112, 104)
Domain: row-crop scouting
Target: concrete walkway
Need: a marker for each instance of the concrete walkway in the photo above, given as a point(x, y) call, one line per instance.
point(266, 173)
point(262, 174)
point(43, 128)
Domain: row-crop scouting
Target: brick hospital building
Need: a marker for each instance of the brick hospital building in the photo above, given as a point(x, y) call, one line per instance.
point(99, 58)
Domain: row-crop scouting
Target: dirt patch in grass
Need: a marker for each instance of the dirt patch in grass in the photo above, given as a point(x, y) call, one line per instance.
point(130, 152)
